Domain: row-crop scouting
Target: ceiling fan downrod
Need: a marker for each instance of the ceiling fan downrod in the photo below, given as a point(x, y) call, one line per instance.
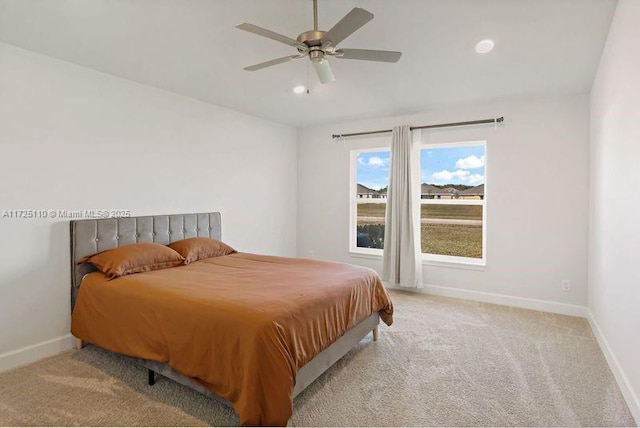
point(315, 15)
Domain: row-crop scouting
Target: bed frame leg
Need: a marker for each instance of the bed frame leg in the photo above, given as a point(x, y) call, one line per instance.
point(375, 333)
point(79, 343)
point(152, 377)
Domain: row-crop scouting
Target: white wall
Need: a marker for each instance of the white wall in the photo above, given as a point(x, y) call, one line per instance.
point(537, 207)
point(614, 276)
point(72, 138)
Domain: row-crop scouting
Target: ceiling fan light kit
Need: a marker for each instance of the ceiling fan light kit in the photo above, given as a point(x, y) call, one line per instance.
point(317, 44)
point(323, 69)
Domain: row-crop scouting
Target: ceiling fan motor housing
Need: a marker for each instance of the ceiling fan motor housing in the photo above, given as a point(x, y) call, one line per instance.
point(312, 38)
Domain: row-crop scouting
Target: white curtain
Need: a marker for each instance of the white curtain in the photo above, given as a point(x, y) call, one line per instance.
point(402, 255)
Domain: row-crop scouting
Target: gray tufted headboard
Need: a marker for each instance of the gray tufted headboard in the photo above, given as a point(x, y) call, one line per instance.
point(96, 235)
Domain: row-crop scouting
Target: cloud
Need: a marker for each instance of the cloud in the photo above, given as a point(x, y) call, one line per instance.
point(475, 179)
point(471, 162)
point(374, 162)
point(459, 175)
point(445, 175)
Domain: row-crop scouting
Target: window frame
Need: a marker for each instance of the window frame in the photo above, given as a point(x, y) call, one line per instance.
point(441, 259)
point(427, 258)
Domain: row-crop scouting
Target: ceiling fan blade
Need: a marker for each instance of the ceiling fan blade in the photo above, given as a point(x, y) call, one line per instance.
point(271, 35)
point(347, 25)
point(369, 55)
point(273, 62)
point(323, 68)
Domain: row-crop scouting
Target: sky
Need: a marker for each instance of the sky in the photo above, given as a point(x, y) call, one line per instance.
point(444, 165)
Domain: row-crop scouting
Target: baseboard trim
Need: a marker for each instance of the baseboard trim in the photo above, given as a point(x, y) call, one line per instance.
point(31, 354)
point(623, 381)
point(502, 299)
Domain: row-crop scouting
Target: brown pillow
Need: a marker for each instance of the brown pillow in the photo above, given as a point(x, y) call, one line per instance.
point(194, 249)
point(134, 258)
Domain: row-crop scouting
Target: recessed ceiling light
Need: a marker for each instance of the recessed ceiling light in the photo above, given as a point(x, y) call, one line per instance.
point(299, 90)
point(485, 46)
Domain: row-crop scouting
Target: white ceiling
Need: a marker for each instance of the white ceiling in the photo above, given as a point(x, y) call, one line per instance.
point(191, 47)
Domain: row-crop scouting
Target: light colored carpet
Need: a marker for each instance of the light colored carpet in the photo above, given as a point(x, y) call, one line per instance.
point(444, 362)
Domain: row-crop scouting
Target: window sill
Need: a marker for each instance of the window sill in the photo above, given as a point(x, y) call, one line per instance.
point(363, 255)
point(462, 264)
point(456, 264)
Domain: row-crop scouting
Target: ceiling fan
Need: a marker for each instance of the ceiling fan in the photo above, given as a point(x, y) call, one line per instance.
point(318, 44)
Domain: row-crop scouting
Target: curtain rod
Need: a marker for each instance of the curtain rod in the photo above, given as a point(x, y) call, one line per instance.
point(440, 125)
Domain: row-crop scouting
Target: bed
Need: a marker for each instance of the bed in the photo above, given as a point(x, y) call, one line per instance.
point(248, 330)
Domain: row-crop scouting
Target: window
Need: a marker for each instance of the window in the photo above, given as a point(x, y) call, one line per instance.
point(370, 179)
point(452, 201)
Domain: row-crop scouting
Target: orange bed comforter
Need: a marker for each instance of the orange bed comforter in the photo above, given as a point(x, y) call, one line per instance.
point(242, 324)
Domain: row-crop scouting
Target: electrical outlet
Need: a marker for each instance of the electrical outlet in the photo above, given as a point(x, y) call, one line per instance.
point(310, 254)
point(565, 285)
